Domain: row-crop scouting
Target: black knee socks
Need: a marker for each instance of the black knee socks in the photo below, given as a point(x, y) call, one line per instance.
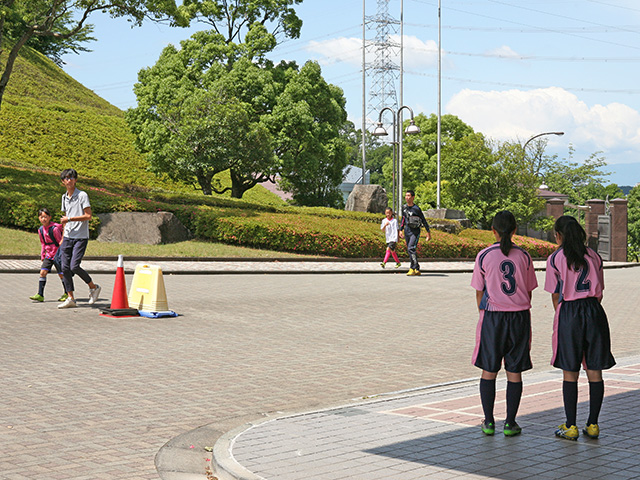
point(41, 284)
point(514, 394)
point(596, 396)
point(570, 398)
point(488, 398)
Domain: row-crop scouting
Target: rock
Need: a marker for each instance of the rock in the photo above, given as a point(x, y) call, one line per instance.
point(367, 198)
point(446, 213)
point(141, 227)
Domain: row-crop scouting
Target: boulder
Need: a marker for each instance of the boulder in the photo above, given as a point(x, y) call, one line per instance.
point(446, 213)
point(367, 198)
point(457, 218)
point(141, 227)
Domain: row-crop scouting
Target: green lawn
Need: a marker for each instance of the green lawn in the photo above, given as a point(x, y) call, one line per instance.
point(18, 242)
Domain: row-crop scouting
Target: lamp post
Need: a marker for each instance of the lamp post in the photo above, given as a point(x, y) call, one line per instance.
point(524, 151)
point(524, 148)
point(380, 131)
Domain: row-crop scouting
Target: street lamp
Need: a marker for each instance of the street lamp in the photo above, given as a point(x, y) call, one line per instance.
point(540, 135)
point(524, 151)
point(380, 131)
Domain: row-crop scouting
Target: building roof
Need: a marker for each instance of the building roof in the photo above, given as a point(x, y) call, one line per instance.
point(353, 174)
point(547, 194)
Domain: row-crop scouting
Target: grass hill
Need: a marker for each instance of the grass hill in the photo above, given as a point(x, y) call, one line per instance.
point(49, 122)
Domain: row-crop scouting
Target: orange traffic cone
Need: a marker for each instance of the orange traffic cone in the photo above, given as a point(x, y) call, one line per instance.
point(119, 300)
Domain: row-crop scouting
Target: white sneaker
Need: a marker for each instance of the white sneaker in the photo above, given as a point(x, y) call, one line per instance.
point(68, 303)
point(93, 294)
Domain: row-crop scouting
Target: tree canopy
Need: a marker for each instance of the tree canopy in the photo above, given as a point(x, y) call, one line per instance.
point(57, 25)
point(634, 223)
point(306, 121)
point(580, 181)
point(234, 19)
point(263, 119)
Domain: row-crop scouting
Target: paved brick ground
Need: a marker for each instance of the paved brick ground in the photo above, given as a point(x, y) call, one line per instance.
point(435, 434)
point(88, 397)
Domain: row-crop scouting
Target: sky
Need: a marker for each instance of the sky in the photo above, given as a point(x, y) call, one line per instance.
point(509, 69)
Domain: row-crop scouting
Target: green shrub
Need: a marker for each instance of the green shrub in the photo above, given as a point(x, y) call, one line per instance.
point(536, 248)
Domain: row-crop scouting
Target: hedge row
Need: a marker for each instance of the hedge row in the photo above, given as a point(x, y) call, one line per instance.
point(289, 229)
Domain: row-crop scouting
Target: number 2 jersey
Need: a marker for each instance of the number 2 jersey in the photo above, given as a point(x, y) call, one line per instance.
point(505, 280)
point(571, 284)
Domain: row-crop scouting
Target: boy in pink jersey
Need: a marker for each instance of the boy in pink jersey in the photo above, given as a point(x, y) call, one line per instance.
point(504, 278)
point(580, 328)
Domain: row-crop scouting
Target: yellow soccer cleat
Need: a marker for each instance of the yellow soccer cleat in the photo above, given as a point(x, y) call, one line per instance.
point(592, 431)
point(570, 433)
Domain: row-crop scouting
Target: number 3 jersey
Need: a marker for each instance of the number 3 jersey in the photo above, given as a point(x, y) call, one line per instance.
point(571, 284)
point(505, 280)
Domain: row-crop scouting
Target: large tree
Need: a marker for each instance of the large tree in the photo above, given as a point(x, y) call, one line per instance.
point(196, 116)
point(259, 146)
point(420, 151)
point(63, 21)
point(478, 176)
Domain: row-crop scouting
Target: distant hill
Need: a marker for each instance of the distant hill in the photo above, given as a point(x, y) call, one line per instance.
point(625, 189)
point(50, 121)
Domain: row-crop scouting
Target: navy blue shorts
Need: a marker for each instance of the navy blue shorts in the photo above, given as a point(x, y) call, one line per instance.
point(47, 263)
point(581, 336)
point(503, 335)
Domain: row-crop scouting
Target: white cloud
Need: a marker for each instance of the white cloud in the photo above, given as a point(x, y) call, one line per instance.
point(517, 114)
point(417, 53)
point(348, 50)
point(504, 52)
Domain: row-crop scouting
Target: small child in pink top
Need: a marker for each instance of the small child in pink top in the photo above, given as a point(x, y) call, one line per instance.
point(50, 234)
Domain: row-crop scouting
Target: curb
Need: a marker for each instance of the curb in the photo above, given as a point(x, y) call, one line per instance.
point(176, 463)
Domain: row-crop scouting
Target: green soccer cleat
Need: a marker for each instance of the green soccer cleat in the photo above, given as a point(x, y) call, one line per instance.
point(398, 265)
point(570, 433)
point(511, 429)
point(63, 297)
point(382, 264)
point(488, 428)
point(592, 431)
point(37, 298)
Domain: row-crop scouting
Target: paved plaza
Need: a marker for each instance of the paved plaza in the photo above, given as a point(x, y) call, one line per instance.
point(90, 397)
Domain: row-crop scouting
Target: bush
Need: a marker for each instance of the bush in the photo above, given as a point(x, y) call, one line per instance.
point(536, 248)
point(318, 231)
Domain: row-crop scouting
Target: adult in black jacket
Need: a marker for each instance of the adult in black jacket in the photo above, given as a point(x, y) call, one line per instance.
point(410, 225)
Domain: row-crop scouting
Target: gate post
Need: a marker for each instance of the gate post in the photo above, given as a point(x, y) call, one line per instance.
point(596, 207)
point(619, 221)
point(555, 209)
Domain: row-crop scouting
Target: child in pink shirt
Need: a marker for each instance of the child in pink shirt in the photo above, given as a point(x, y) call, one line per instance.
point(503, 277)
point(50, 234)
point(581, 336)
point(390, 227)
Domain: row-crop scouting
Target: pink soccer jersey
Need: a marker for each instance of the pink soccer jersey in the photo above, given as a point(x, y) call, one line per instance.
point(505, 280)
point(572, 285)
